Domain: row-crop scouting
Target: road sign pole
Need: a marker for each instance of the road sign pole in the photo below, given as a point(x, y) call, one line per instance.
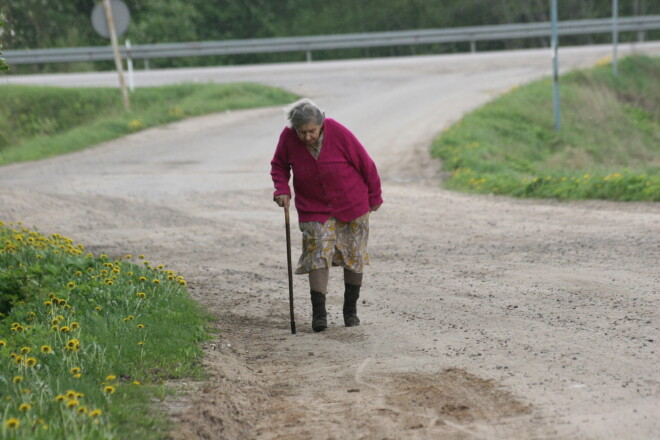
point(615, 37)
point(115, 49)
point(555, 64)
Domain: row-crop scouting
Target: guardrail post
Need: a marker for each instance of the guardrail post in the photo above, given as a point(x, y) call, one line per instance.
point(309, 56)
point(473, 46)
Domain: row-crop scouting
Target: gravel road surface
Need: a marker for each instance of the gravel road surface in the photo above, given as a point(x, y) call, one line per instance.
point(482, 317)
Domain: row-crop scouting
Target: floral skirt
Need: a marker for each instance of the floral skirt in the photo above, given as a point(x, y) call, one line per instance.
point(334, 243)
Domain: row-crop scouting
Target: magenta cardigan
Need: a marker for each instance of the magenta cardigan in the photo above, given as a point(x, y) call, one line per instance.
point(343, 183)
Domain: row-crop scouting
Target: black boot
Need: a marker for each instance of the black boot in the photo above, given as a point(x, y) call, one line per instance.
point(319, 320)
point(351, 296)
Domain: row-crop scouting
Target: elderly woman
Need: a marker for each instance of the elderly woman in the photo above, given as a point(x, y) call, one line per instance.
point(336, 186)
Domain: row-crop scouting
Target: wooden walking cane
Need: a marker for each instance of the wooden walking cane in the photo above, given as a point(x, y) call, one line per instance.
point(288, 258)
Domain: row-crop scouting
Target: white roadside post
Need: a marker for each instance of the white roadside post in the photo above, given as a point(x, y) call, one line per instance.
point(129, 65)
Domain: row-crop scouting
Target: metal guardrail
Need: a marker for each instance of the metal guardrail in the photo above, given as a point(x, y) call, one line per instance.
point(343, 41)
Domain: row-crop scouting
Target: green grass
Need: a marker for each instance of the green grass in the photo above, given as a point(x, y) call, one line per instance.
point(39, 122)
point(73, 324)
point(608, 147)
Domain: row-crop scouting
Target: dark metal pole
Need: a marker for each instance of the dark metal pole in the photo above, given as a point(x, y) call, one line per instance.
point(288, 258)
point(615, 37)
point(555, 64)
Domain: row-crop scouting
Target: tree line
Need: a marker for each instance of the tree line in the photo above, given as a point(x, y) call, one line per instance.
point(31, 24)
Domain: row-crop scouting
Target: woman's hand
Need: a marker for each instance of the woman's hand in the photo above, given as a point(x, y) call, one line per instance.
point(375, 208)
point(283, 201)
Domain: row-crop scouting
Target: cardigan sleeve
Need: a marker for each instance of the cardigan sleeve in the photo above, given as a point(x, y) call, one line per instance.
point(280, 167)
point(365, 165)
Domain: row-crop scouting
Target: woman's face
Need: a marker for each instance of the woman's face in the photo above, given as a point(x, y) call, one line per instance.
point(309, 133)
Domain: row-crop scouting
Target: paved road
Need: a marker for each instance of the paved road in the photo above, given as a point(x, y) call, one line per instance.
point(484, 317)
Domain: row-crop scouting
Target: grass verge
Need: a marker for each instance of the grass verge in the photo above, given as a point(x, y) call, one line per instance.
point(87, 341)
point(38, 122)
point(608, 147)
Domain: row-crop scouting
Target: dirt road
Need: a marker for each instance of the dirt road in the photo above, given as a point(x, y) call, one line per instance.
point(482, 317)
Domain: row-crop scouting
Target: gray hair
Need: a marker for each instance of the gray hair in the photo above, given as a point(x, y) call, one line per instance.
point(303, 112)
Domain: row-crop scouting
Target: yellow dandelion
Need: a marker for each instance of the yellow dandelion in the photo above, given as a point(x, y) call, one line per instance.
point(170, 278)
point(156, 282)
point(141, 257)
point(74, 325)
point(77, 376)
point(140, 326)
point(160, 266)
point(135, 124)
point(46, 349)
point(95, 413)
point(75, 370)
point(70, 394)
point(98, 308)
point(71, 285)
point(183, 282)
point(65, 329)
point(72, 403)
point(3, 343)
point(18, 359)
point(59, 398)
point(55, 328)
point(140, 343)
point(141, 295)
point(79, 395)
point(55, 321)
point(61, 302)
point(73, 344)
point(143, 279)
point(82, 410)
point(12, 423)
point(128, 256)
point(17, 379)
point(111, 377)
point(30, 362)
point(109, 389)
point(135, 382)
point(24, 407)
point(25, 350)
